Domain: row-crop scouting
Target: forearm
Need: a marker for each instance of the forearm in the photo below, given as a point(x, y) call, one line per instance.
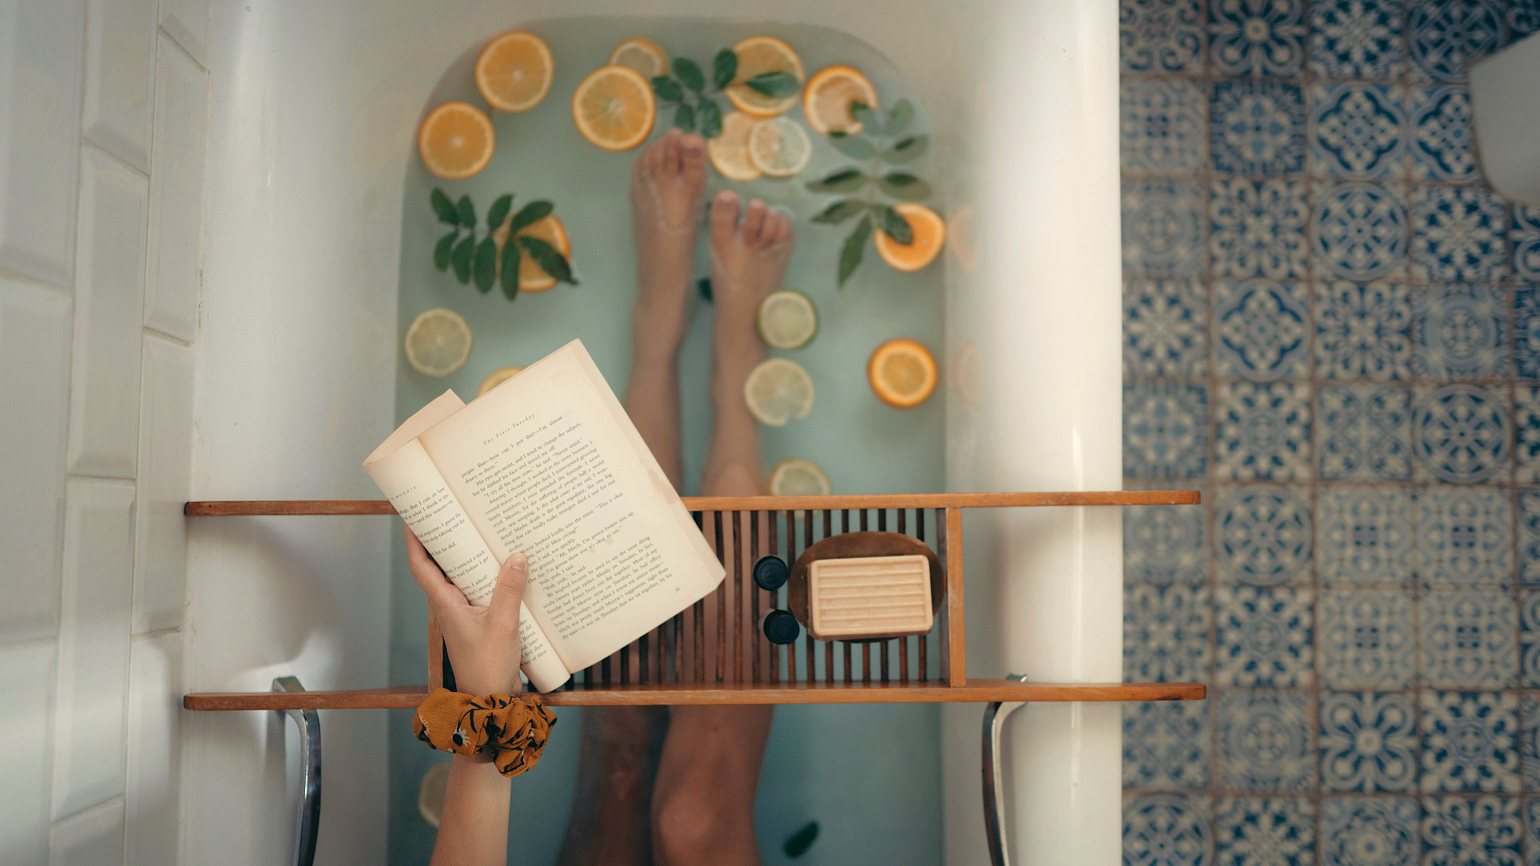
point(473, 830)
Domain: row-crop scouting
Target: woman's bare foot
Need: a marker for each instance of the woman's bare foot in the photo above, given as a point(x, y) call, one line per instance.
point(748, 261)
point(668, 180)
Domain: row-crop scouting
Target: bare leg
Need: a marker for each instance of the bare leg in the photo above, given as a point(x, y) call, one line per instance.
point(703, 806)
point(610, 816)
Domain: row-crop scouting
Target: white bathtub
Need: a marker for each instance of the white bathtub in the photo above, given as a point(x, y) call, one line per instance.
point(309, 106)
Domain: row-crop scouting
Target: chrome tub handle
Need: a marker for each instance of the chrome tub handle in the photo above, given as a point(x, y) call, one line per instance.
point(308, 722)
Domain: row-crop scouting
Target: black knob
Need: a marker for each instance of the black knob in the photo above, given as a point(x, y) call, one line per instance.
point(781, 627)
point(770, 572)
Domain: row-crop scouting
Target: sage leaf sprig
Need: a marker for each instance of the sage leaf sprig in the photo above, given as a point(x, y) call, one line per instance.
point(870, 190)
point(694, 98)
point(487, 257)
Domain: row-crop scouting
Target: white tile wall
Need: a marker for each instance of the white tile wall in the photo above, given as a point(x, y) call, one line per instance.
point(187, 21)
point(40, 117)
point(104, 393)
point(165, 455)
point(34, 403)
point(120, 78)
point(154, 714)
point(26, 681)
point(93, 644)
point(176, 192)
point(93, 838)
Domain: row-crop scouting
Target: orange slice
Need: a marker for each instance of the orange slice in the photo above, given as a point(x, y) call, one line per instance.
point(929, 234)
point(758, 55)
point(902, 373)
point(729, 152)
point(550, 230)
point(455, 140)
point(514, 71)
point(827, 97)
point(643, 54)
point(613, 108)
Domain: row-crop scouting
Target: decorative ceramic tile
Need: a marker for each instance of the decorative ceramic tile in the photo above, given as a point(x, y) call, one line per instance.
point(1529, 538)
point(1445, 36)
point(1366, 639)
point(1164, 545)
point(1355, 130)
point(1360, 231)
point(1471, 831)
point(1166, 829)
point(1460, 331)
point(1162, 126)
point(1523, 19)
point(1165, 328)
point(1465, 536)
point(1263, 636)
point(1264, 740)
point(1362, 432)
point(1526, 241)
point(1258, 832)
point(1364, 535)
point(1526, 446)
point(1461, 433)
point(1526, 330)
point(1165, 745)
point(1257, 37)
point(1160, 35)
point(1257, 127)
point(1368, 742)
point(1263, 536)
point(1362, 831)
point(1165, 430)
point(1356, 38)
point(1532, 832)
point(1262, 330)
point(1460, 234)
point(1441, 140)
point(1257, 228)
point(1165, 633)
point(1529, 743)
point(1262, 431)
point(1163, 228)
point(1529, 637)
point(1362, 331)
point(1470, 742)
point(1466, 638)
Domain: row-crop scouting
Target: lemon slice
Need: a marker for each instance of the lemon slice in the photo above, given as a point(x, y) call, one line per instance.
point(777, 391)
point(498, 377)
point(779, 147)
point(430, 793)
point(797, 477)
point(786, 320)
point(729, 151)
point(438, 342)
point(641, 53)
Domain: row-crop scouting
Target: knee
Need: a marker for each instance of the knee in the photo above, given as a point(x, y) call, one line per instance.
point(686, 820)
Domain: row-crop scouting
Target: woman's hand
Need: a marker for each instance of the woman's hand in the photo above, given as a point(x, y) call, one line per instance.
point(483, 642)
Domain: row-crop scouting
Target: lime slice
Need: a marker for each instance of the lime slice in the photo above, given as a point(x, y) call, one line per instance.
point(787, 320)
point(779, 147)
point(430, 793)
point(497, 377)
point(438, 342)
point(777, 391)
point(798, 477)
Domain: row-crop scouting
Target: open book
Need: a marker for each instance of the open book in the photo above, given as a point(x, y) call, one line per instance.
point(548, 464)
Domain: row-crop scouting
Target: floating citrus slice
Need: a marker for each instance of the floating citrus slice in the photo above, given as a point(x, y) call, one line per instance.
point(613, 108)
point(779, 147)
point(729, 152)
point(797, 477)
point(828, 95)
point(497, 377)
point(756, 56)
point(455, 140)
point(902, 373)
point(641, 53)
point(787, 320)
point(438, 342)
point(514, 71)
point(929, 233)
point(533, 278)
point(777, 391)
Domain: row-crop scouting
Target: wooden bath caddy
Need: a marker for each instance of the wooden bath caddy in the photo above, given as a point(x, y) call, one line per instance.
point(714, 652)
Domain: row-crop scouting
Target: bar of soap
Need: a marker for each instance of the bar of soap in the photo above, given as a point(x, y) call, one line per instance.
point(863, 597)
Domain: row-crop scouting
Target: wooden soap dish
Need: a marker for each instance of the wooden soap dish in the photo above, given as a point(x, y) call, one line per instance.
point(882, 556)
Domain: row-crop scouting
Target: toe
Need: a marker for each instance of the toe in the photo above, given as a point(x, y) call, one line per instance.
point(777, 228)
point(692, 149)
point(670, 160)
point(754, 221)
point(651, 158)
point(724, 217)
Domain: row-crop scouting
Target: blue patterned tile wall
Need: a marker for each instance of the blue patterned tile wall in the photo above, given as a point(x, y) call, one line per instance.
point(1331, 328)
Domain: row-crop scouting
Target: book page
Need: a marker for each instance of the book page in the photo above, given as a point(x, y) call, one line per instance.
point(549, 464)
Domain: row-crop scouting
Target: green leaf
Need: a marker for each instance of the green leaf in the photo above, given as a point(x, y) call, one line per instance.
point(499, 210)
point(902, 184)
point(853, 146)
point(460, 257)
point(684, 117)
point(797, 843)
point(865, 115)
point(845, 180)
point(484, 267)
point(442, 249)
point(546, 256)
point(467, 213)
point(898, 117)
point(906, 149)
point(703, 286)
point(854, 248)
point(530, 214)
point(774, 84)
point(689, 73)
point(667, 88)
point(709, 114)
point(443, 208)
point(510, 272)
point(894, 225)
point(724, 67)
point(839, 211)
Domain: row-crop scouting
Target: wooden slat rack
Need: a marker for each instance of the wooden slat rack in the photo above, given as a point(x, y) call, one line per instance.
point(714, 653)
